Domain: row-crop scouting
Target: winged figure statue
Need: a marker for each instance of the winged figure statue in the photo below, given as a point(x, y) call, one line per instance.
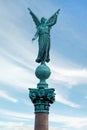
point(43, 27)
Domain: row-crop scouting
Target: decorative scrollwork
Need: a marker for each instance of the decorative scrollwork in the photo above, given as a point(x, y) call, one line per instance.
point(42, 98)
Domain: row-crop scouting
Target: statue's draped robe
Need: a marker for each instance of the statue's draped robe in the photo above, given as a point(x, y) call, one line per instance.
point(44, 44)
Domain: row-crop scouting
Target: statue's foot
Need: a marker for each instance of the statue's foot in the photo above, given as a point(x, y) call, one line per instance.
point(38, 60)
point(47, 60)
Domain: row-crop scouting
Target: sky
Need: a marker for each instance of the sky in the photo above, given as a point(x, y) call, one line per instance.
point(68, 63)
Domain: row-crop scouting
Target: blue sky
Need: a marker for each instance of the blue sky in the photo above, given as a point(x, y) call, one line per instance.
point(68, 63)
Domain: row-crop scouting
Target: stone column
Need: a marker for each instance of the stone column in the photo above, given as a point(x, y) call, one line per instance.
point(41, 121)
point(42, 97)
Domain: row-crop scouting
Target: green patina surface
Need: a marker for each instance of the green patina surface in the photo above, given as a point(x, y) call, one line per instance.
point(42, 98)
point(43, 27)
point(42, 72)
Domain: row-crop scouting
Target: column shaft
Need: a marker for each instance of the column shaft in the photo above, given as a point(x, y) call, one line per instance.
point(41, 121)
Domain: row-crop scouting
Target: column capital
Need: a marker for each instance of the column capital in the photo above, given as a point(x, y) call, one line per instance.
point(42, 98)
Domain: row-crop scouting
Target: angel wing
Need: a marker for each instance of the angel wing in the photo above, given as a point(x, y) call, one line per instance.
point(52, 20)
point(35, 19)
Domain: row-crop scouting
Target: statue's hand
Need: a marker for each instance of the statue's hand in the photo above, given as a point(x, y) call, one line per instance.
point(57, 11)
point(33, 38)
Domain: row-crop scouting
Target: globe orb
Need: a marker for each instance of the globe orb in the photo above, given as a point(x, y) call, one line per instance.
point(42, 72)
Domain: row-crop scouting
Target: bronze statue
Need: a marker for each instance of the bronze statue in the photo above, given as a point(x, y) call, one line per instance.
point(43, 34)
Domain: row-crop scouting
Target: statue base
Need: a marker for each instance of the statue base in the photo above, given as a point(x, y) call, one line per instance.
point(42, 72)
point(42, 97)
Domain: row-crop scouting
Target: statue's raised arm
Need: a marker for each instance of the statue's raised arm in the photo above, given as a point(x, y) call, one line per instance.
point(53, 19)
point(35, 19)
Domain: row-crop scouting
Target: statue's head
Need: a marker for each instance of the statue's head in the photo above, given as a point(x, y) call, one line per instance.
point(43, 20)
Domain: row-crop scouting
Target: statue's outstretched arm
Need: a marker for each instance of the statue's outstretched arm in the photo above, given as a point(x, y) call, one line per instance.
point(53, 19)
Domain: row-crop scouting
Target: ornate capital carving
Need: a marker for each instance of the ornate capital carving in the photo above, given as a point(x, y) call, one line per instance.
point(42, 98)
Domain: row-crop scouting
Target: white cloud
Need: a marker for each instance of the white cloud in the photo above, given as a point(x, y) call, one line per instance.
point(6, 96)
point(16, 76)
point(68, 77)
point(60, 98)
point(15, 126)
point(16, 53)
point(71, 76)
point(86, 97)
point(69, 121)
point(21, 126)
point(16, 115)
point(57, 128)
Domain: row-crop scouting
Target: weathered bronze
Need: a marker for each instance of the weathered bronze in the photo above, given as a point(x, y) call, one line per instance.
point(42, 96)
point(43, 32)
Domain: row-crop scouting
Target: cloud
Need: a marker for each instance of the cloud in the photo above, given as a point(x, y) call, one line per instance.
point(14, 75)
point(67, 75)
point(85, 97)
point(60, 98)
point(16, 54)
point(6, 96)
point(16, 115)
point(71, 76)
point(15, 126)
point(21, 125)
point(69, 121)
